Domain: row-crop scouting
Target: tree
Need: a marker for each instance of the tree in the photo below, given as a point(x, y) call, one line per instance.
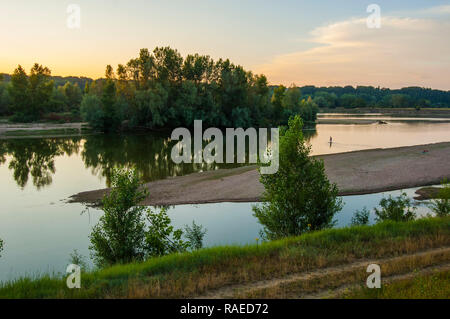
point(361, 217)
point(128, 232)
point(398, 209)
point(195, 234)
point(19, 93)
point(119, 236)
point(299, 197)
point(92, 111)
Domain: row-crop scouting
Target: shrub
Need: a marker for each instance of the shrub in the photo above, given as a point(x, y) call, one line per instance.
point(441, 205)
point(299, 197)
point(398, 209)
point(128, 232)
point(119, 235)
point(360, 217)
point(195, 235)
point(77, 259)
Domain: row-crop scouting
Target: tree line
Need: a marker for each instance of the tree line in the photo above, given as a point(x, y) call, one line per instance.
point(155, 90)
point(369, 96)
point(162, 89)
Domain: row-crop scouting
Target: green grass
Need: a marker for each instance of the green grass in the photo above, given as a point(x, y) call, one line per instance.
point(430, 286)
point(189, 274)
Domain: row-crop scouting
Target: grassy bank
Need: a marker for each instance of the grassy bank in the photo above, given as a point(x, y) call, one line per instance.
point(193, 274)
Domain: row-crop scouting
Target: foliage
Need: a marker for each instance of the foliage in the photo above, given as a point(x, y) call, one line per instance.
point(77, 259)
point(399, 209)
point(92, 112)
point(361, 217)
point(128, 232)
point(119, 236)
point(161, 238)
point(30, 95)
point(441, 205)
point(299, 197)
point(195, 234)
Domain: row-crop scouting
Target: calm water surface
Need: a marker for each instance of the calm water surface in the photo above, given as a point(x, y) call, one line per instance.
point(40, 229)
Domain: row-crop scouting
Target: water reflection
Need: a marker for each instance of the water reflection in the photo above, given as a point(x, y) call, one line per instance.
point(35, 158)
point(150, 153)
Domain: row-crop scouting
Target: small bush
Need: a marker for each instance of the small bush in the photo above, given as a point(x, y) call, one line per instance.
point(360, 217)
point(77, 259)
point(195, 235)
point(441, 205)
point(398, 209)
point(128, 232)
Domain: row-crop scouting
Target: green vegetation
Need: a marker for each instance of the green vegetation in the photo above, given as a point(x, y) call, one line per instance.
point(428, 286)
point(122, 236)
point(398, 209)
point(441, 205)
point(158, 89)
point(350, 97)
point(299, 197)
point(192, 273)
point(361, 217)
point(195, 234)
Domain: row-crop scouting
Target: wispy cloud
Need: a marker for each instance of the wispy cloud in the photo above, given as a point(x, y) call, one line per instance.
point(403, 52)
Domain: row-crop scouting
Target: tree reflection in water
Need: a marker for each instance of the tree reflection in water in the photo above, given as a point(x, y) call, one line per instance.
point(148, 153)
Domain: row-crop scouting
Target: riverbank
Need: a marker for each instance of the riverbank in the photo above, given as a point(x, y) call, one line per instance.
point(298, 267)
point(360, 172)
point(396, 112)
point(25, 130)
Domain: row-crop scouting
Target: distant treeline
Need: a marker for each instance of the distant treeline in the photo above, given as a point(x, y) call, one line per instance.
point(369, 96)
point(158, 89)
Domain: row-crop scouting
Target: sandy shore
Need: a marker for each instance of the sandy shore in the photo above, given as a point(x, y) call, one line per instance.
point(361, 172)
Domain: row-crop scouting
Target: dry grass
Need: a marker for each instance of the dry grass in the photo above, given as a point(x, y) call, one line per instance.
point(204, 271)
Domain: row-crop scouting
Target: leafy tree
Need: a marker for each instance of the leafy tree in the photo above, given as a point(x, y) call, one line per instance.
point(299, 197)
point(128, 232)
point(361, 217)
point(19, 93)
point(92, 111)
point(119, 236)
point(399, 209)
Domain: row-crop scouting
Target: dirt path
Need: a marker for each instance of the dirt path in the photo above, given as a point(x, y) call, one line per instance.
point(361, 172)
point(336, 293)
point(230, 291)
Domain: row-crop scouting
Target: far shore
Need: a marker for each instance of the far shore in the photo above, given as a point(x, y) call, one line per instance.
point(355, 173)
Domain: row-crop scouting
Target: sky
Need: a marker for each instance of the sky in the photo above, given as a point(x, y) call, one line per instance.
point(321, 43)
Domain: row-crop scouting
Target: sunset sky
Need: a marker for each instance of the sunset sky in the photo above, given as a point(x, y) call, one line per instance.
point(291, 41)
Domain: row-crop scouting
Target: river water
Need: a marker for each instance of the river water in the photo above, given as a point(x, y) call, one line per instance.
point(40, 229)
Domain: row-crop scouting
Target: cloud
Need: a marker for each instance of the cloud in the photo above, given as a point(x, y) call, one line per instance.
point(403, 52)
